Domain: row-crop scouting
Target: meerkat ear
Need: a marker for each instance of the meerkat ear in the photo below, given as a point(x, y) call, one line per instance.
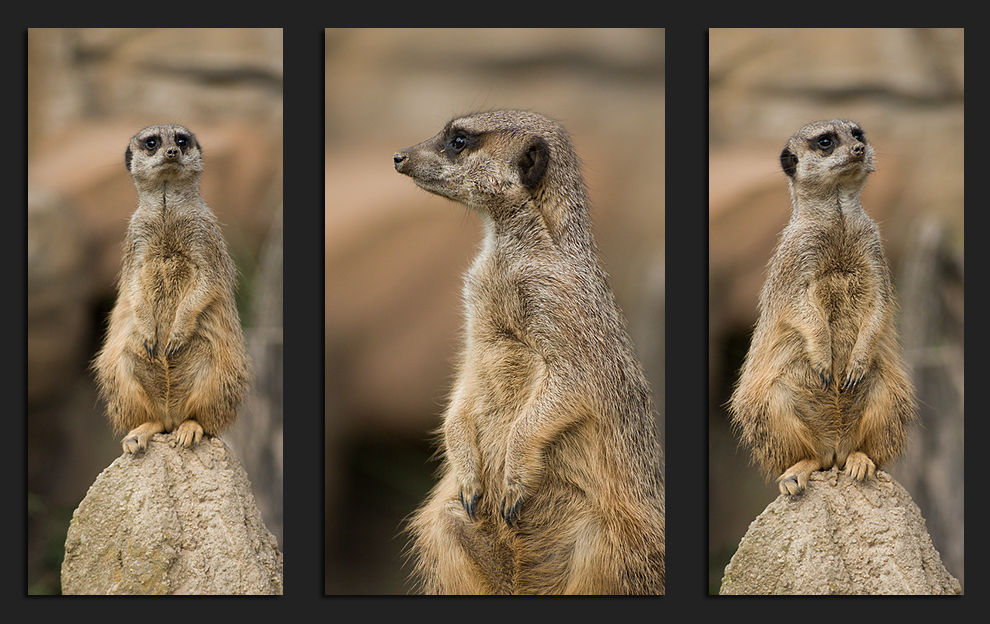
point(127, 158)
point(533, 162)
point(788, 160)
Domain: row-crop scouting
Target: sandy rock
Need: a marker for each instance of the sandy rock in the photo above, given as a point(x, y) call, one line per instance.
point(171, 520)
point(839, 537)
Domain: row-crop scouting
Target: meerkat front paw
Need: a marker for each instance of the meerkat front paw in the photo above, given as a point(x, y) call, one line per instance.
point(172, 346)
point(469, 493)
point(145, 330)
point(855, 373)
point(149, 343)
point(512, 501)
point(137, 439)
point(822, 366)
point(824, 372)
point(189, 432)
point(859, 466)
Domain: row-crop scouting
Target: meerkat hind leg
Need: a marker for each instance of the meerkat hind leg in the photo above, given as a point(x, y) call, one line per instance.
point(795, 479)
point(189, 432)
point(137, 439)
point(859, 466)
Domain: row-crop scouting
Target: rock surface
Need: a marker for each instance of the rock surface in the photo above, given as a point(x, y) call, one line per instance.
point(171, 520)
point(839, 537)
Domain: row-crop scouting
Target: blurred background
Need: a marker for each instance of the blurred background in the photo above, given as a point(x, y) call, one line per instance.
point(905, 87)
point(89, 91)
point(395, 255)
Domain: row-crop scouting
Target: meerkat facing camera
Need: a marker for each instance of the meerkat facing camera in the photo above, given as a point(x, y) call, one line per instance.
point(824, 383)
point(174, 357)
point(552, 463)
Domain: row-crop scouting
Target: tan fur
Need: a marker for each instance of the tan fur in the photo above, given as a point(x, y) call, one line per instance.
point(174, 355)
point(552, 479)
point(823, 383)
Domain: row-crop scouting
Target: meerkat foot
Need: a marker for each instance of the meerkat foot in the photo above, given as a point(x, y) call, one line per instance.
point(189, 432)
point(137, 439)
point(859, 466)
point(795, 479)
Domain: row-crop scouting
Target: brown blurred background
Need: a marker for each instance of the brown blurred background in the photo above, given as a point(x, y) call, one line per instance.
point(395, 255)
point(905, 87)
point(89, 91)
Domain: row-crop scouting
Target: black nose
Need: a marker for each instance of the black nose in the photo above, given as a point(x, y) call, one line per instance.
point(399, 157)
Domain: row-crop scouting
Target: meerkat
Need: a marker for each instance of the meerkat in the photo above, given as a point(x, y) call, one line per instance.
point(174, 357)
point(824, 383)
point(551, 478)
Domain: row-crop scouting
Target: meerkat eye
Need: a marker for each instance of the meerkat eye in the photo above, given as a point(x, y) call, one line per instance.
point(151, 144)
point(824, 142)
point(458, 143)
point(181, 141)
point(858, 135)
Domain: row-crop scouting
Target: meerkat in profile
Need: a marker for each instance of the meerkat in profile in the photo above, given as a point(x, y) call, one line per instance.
point(823, 383)
point(552, 476)
point(174, 357)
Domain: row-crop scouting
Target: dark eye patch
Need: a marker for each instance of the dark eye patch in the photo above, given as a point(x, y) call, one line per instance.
point(457, 141)
point(824, 142)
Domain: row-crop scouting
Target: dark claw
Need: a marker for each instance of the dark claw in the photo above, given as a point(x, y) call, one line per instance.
point(470, 507)
point(851, 383)
point(512, 513)
point(150, 349)
point(170, 353)
point(826, 380)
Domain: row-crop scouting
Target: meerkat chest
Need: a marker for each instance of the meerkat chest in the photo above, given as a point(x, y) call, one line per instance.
point(174, 232)
point(166, 249)
point(842, 281)
point(501, 359)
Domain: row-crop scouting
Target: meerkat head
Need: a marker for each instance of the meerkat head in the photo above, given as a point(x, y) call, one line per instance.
point(162, 154)
point(828, 155)
point(494, 162)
